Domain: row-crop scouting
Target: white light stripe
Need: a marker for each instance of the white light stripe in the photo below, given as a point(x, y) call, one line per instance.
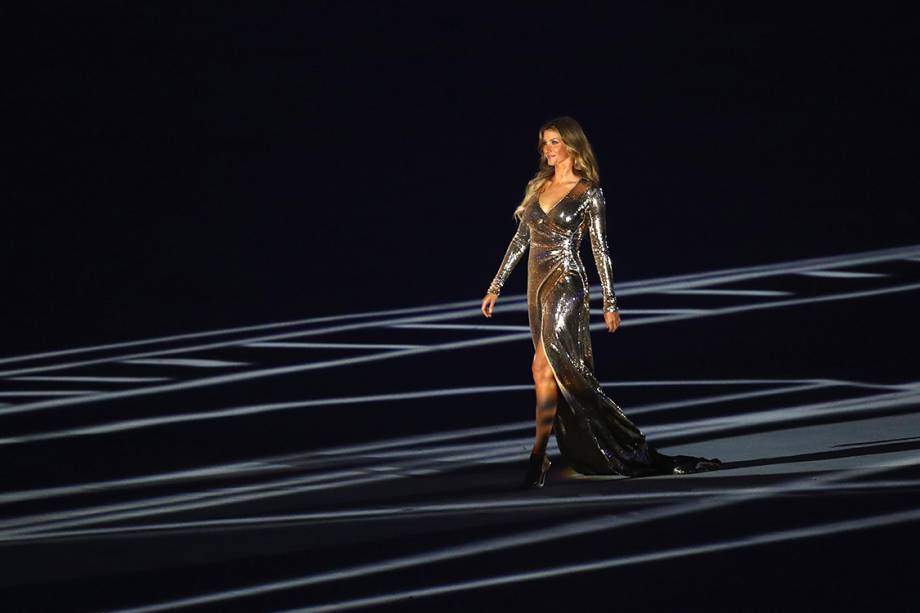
point(38, 524)
point(507, 446)
point(663, 406)
point(282, 370)
point(209, 498)
point(92, 379)
point(832, 407)
point(256, 328)
point(221, 470)
point(183, 502)
point(282, 345)
point(789, 415)
point(170, 419)
point(223, 496)
point(195, 363)
point(260, 373)
point(490, 328)
point(732, 275)
point(463, 314)
point(743, 308)
point(405, 446)
point(529, 537)
point(263, 464)
point(841, 274)
point(510, 302)
point(729, 292)
point(149, 422)
point(838, 527)
point(879, 386)
point(784, 415)
point(907, 252)
point(473, 454)
point(426, 510)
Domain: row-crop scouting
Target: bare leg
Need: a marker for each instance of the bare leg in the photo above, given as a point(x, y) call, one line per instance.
point(547, 395)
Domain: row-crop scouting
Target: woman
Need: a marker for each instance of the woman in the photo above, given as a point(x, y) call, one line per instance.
point(561, 200)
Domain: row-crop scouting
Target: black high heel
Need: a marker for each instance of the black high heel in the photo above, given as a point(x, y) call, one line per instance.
point(536, 471)
point(698, 466)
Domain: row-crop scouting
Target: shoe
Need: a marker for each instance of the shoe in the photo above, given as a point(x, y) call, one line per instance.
point(701, 465)
point(536, 471)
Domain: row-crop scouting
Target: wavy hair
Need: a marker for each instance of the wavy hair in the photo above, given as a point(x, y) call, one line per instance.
point(583, 162)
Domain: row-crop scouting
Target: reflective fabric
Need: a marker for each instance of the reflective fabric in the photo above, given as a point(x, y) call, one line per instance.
point(593, 434)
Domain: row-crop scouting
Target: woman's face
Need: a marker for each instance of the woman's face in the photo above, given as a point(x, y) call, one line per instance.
point(553, 148)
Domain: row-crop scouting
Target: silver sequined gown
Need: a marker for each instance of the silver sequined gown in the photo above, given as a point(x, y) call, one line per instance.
point(593, 434)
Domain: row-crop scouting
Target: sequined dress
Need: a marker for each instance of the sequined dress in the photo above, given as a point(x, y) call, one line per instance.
point(594, 435)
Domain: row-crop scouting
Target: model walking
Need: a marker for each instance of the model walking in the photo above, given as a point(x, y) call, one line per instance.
point(594, 435)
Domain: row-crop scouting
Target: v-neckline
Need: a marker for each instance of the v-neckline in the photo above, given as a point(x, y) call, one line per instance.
point(566, 195)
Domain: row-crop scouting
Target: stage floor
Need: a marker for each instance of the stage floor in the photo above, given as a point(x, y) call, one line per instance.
point(371, 460)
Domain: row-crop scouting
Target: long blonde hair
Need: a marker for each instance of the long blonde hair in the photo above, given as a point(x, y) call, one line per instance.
point(583, 162)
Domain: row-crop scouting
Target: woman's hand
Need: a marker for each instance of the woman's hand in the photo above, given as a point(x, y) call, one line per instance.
point(487, 303)
point(612, 319)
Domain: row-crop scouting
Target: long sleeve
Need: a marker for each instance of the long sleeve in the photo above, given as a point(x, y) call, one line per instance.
point(516, 249)
point(597, 227)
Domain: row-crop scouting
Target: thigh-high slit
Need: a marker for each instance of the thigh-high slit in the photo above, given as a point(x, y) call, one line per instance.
point(592, 432)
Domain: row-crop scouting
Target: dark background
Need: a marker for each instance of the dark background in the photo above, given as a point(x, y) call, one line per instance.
point(178, 167)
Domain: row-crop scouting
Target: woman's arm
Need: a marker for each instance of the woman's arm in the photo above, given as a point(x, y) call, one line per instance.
point(597, 227)
point(516, 249)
